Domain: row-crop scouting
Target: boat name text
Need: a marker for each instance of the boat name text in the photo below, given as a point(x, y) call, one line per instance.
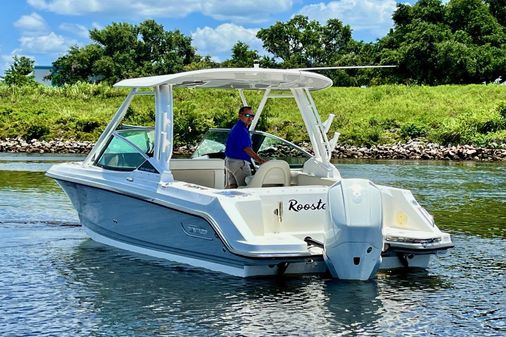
point(296, 206)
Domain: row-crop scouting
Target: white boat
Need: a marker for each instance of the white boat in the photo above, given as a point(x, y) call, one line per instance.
point(293, 218)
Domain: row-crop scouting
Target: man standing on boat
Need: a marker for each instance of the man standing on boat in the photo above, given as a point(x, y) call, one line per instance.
point(239, 151)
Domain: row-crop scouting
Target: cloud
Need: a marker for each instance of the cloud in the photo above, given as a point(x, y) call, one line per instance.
point(44, 43)
point(131, 8)
point(246, 11)
point(70, 7)
point(232, 10)
point(6, 60)
point(32, 22)
point(36, 38)
point(76, 29)
point(220, 40)
point(364, 16)
point(97, 25)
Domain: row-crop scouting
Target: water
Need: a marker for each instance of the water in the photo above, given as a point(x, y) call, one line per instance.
point(56, 282)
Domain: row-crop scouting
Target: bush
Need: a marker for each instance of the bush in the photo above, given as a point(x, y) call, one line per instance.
point(491, 126)
point(36, 132)
point(385, 123)
point(502, 111)
point(412, 131)
point(190, 124)
point(140, 115)
point(449, 137)
point(363, 116)
point(6, 111)
point(86, 125)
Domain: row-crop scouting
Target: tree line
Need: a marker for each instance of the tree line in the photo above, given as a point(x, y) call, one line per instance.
point(431, 42)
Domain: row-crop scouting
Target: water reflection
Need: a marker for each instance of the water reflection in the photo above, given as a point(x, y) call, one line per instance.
point(26, 181)
point(140, 295)
point(465, 197)
point(31, 197)
point(54, 281)
point(357, 307)
point(34, 162)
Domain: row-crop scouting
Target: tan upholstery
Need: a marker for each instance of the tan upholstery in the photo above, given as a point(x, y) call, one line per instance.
point(271, 173)
point(303, 179)
point(205, 172)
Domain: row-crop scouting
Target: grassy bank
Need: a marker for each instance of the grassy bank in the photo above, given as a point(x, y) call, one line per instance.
point(471, 114)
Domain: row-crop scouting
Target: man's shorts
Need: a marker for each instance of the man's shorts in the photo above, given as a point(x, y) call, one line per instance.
point(237, 171)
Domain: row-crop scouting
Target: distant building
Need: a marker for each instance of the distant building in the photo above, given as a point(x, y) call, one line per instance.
point(40, 72)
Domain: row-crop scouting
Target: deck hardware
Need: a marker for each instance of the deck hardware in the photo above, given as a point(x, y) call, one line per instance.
point(279, 212)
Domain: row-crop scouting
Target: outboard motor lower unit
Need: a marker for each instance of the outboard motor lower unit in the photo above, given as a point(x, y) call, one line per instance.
point(353, 234)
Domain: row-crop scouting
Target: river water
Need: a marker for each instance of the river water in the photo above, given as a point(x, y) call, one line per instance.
point(54, 281)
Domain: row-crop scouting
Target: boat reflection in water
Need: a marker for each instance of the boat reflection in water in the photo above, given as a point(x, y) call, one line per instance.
point(134, 294)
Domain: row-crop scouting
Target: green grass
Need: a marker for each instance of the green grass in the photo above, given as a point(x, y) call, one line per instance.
point(454, 114)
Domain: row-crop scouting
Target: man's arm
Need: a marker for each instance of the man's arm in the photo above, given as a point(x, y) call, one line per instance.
point(254, 155)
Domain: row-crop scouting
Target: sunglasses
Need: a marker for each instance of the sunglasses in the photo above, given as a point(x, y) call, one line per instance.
point(249, 115)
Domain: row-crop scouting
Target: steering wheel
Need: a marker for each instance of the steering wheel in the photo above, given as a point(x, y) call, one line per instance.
point(253, 165)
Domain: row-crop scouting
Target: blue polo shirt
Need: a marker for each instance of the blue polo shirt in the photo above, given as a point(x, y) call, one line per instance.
point(238, 139)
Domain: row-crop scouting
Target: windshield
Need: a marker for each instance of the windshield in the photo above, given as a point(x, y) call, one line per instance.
point(128, 149)
point(265, 144)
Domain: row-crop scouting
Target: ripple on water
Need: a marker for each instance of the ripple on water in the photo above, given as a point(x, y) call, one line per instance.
point(66, 284)
point(56, 282)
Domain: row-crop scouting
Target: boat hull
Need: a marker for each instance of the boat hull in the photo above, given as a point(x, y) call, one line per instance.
point(145, 227)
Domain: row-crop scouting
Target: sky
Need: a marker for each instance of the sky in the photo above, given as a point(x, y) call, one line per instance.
point(45, 29)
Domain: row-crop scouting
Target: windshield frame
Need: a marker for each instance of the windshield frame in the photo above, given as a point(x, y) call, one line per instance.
point(256, 146)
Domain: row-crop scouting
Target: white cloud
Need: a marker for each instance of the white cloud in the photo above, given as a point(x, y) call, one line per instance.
point(159, 8)
point(44, 43)
point(373, 17)
point(32, 22)
point(36, 38)
point(70, 7)
point(8, 59)
point(220, 40)
point(132, 8)
point(246, 11)
point(97, 25)
point(76, 29)
point(233, 10)
point(6, 62)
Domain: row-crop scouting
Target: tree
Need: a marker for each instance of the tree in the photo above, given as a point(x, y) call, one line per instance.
point(304, 43)
point(475, 18)
point(498, 10)
point(20, 72)
point(242, 56)
point(77, 65)
point(456, 61)
point(123, 50)
point(201, 63)
point(460, 42)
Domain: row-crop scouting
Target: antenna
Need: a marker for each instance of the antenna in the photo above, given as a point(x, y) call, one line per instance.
point(347, 67)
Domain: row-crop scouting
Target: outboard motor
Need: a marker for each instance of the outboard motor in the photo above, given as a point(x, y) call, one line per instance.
point(353, 233)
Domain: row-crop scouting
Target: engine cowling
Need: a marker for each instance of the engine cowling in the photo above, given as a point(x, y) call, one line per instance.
point(353, 237)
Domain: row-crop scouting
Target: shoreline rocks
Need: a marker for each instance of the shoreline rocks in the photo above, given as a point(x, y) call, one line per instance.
point(41, 146)
point(417, 150)
point(423, 151)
